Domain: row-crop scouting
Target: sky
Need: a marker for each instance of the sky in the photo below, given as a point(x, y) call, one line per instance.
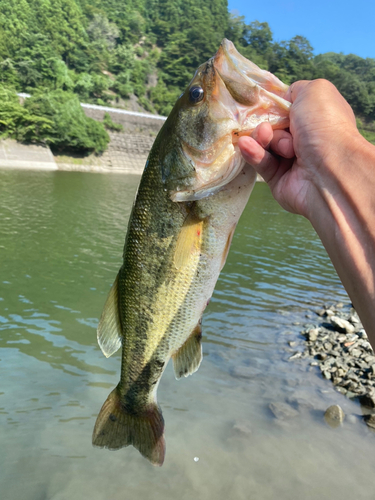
point(329, 25)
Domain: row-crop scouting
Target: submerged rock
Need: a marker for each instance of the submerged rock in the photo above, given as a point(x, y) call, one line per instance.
point(283, 411)
point(248, 372)
point(241, 427)
point(334, 416)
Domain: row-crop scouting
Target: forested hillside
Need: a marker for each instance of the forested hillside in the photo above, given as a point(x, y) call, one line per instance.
point(112, 51)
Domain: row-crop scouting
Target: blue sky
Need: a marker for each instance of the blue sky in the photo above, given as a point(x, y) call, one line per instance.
point(330, 25)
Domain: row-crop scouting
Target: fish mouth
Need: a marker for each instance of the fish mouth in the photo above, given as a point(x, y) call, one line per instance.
point(257, 95)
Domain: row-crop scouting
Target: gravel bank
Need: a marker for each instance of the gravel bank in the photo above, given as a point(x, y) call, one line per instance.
point(338, 346)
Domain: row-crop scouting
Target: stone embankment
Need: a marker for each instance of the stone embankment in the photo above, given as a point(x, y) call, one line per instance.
point(16, 155)
point(338, 346)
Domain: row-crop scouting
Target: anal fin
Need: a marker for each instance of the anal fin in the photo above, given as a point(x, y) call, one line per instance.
point(109, 329)
point(187, 359)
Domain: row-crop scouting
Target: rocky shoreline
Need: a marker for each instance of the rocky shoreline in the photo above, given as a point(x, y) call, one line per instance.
point(338, 346)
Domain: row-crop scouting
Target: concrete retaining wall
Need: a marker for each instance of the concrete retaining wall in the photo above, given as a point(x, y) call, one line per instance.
point(16, 155)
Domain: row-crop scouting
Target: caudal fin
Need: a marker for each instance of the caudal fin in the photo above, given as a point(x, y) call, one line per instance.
point(116, 428)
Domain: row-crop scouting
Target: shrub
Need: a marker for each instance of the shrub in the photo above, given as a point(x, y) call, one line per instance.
point(71, 129)
point(110, 124)
point(55, 118)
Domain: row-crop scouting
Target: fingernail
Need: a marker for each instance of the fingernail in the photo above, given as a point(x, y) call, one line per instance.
point(284, 146)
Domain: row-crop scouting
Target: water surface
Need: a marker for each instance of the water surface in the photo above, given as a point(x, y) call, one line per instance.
point(61, 239)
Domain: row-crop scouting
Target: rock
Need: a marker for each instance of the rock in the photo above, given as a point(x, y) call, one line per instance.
point(370, 420)
point(337, 380)
point(342, 390)
point(367, 400)
point(242, 427)
point(367, 346)
point(312, 334)
point(300, 401)
point(283, 411)
point(246, 372)
point(342, 325)
point(352, 376)
point(354, 319)
point(296, 355)
point(341, 372)
point(291, 382)
point(334, 416)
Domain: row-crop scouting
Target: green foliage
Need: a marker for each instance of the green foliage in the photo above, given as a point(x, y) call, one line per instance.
point(71, 128)
point(149, 49)
point(110, 124)
point(18, 122)
point(55, 118)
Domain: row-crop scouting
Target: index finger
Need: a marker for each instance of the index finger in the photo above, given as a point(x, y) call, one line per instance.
point(295, 88)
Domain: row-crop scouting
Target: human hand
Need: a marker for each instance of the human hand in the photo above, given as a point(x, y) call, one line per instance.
point(298, 164)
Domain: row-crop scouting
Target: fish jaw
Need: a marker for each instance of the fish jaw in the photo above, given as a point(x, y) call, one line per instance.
point(257, 94)
point(239, 96)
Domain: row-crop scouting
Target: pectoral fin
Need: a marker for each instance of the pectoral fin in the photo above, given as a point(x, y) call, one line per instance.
point(109, 329)
point(189, 240)
point(187, 359)
point(227, 246)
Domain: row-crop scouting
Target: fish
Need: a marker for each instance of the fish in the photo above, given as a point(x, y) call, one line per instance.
point(194, 187)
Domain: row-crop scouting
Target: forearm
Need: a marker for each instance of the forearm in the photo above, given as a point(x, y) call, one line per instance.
point(343, 215)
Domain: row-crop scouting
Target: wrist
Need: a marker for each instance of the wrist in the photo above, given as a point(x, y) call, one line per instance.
point(344, 181)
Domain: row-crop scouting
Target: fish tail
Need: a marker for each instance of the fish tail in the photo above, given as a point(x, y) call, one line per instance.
point(116, 428)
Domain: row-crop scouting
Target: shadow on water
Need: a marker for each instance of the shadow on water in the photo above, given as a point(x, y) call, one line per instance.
point(61, 241)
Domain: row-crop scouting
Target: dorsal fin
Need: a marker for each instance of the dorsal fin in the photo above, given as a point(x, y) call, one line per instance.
point(109, 329)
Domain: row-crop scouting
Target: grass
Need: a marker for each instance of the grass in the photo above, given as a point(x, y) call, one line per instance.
point(367, 130)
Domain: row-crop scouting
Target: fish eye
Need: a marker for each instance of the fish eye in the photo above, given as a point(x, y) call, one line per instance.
point(196, 94)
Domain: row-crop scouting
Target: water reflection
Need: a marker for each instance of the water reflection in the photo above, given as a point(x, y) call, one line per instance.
point(61, 239)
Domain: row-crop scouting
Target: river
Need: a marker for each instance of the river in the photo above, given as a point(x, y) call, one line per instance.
point(61, 240)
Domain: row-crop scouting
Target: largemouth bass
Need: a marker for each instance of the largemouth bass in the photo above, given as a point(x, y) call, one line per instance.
point(193, 190)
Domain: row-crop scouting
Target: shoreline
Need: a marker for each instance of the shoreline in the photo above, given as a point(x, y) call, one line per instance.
point(127, 154)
